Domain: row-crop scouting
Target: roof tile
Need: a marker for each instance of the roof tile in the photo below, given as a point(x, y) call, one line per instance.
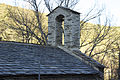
point(18, 58)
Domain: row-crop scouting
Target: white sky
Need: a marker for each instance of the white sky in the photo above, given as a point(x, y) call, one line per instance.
point(112, 7)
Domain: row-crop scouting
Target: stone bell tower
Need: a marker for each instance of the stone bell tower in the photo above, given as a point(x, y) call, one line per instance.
point(64, 28)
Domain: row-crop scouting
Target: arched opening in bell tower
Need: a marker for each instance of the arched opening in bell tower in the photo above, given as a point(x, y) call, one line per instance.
point(60, 30)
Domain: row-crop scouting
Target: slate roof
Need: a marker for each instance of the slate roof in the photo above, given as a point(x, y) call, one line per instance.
point(20, 58)
point(65, 8)
point(88, 59)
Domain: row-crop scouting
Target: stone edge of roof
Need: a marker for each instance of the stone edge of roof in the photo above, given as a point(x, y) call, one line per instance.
point(94, 61)
point(78, 55)
point(63, 8)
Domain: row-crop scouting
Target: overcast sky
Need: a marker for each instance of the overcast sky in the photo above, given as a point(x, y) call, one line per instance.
point(112, 7)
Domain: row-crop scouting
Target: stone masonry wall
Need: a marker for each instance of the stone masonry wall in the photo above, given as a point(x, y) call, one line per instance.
point(71, 28)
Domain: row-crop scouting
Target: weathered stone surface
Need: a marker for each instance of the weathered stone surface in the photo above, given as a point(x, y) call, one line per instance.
point(71, 30)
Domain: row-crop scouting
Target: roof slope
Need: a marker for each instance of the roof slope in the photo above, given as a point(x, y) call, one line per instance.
point(19, 58)
point(65, 8)
point(88, 60)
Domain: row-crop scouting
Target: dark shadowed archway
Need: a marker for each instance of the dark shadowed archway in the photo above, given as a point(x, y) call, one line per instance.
point(60, 29)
